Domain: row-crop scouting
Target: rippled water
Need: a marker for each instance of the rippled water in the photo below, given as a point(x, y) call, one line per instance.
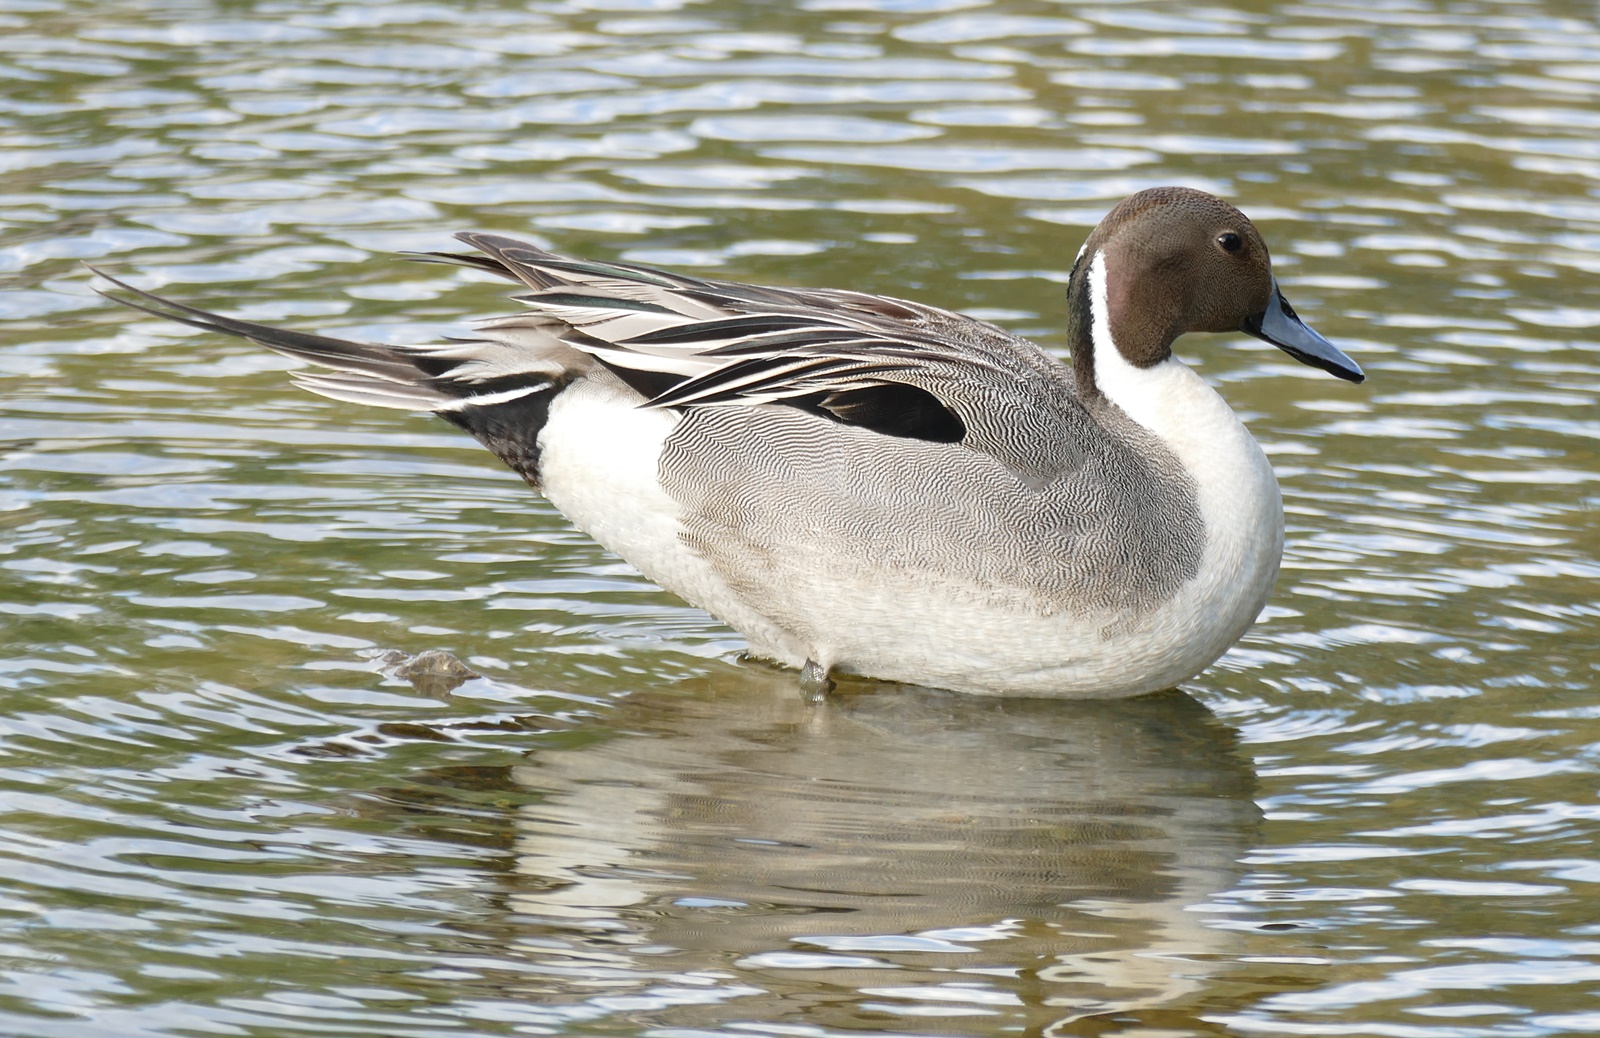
point(222, 813)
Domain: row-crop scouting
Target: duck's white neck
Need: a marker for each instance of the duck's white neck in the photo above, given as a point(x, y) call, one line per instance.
point(1167, 398)
point(1237, 491)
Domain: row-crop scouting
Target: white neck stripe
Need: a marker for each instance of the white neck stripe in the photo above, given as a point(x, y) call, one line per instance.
point(1143, 394)
point(1123, 384)
point(1100, 315)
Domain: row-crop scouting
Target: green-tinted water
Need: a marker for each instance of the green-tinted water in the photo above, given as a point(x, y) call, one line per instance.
point(218, 816)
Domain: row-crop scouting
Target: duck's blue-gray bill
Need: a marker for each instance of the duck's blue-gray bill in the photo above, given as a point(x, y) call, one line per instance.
point(1282, 327)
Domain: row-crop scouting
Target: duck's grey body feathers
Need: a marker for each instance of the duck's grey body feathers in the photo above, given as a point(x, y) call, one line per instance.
point(928, 521)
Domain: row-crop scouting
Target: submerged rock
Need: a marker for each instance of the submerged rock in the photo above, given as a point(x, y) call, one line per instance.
point(432, 672)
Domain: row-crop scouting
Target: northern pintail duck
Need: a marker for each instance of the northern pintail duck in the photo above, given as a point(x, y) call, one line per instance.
point(866, 485)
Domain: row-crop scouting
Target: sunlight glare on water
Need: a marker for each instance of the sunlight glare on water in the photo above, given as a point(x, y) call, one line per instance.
point(225, 810)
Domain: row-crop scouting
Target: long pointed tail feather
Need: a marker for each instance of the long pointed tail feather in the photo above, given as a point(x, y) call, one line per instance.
point(448, 377)
point(497, 389)
point(364, 358)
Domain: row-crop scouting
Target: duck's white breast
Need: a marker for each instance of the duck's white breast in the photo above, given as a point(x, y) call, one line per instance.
point(1237, 492)
point(1241, 511)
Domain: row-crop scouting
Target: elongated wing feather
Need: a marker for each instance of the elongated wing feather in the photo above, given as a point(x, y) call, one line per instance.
point(895, 366)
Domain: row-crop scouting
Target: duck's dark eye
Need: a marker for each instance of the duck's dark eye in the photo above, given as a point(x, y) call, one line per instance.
point(1230, 242)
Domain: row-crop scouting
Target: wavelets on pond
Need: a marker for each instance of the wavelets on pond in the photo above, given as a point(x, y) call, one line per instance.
point(222, 814)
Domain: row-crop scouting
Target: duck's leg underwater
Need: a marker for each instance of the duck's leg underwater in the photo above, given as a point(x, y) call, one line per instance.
point(816, 681)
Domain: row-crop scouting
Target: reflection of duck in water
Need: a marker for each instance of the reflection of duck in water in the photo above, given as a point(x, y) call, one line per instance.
point(923, 852)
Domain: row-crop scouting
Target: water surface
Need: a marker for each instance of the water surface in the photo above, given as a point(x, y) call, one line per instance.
point(222, 814)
